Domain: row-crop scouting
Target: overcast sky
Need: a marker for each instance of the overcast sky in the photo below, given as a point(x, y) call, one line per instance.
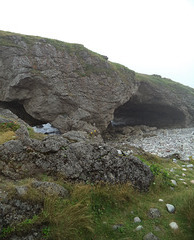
point(148, 36)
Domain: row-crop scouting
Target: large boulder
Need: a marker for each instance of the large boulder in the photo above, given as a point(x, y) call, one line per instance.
point(76, 161)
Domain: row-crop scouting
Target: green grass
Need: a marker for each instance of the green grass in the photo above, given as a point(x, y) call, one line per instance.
point(35, 135)
point(7, 131)
point(156, 80)
point(92, 209)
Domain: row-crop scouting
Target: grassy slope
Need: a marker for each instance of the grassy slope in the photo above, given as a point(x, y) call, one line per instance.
point(172, 86)
point(92, 210)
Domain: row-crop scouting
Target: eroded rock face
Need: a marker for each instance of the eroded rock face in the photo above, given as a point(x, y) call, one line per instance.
point(44, 80)
point(64, 84)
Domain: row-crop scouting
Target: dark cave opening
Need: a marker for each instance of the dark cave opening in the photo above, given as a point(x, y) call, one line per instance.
point(18, 109)
point(153, 115)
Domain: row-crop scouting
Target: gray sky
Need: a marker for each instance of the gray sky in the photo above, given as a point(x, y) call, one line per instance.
point(148, 36)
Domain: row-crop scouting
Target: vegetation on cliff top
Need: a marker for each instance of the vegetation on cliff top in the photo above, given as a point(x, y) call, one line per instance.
point(158, 81)
point(6, 39)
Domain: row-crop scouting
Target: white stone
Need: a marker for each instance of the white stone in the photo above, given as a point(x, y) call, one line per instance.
point(181, 179)
point(139, 227)
point(192, 181)
point(190, 165)
point(170, 208)
point(174, 225)
point(119, 152)
point(137, 219)
point(184, 169)
point(183, 174)
point(161, 200)
point(174, 182)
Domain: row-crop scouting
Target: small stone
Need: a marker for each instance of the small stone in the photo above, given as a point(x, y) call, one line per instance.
point(161, 200)
point(172, 170)
point(117, 226)
point(51, 188)
point(185, 183)
point(154, 213)
point(181, 179)
point(174, 182)
point(190, 166)
point(192, 181)
point(119, 152)
point(157, 229)
point(150, 236)
point(137, 219)
point(183, 174)
point(139, 227)
point(174, 225)
point(174, 160)
point(184, 169)
point(170, 208)
point(21, 190)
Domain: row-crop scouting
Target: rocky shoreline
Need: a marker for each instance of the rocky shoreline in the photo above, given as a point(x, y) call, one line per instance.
point(167, 142)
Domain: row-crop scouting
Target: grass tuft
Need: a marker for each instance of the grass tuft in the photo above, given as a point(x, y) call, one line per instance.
point(7, 136)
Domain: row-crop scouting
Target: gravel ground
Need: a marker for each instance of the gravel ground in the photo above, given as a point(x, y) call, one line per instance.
point(168, 142)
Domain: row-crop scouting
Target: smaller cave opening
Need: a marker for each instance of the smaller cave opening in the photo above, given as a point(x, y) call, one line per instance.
point(152, 115)
point(18, 109)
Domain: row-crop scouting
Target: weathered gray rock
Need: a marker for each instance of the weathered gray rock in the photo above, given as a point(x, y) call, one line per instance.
point(13, 211)
point(82, 161)
point(62, 84)
point(117, 226)
point(21, 190)
point(154, 213)
point(50, 188)
point(150, 236)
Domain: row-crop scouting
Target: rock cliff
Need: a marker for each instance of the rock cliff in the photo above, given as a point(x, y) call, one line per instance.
point(44, 80)
point(62, 83)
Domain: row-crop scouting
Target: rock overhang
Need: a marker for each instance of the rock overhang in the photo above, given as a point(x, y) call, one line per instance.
point(74, 88)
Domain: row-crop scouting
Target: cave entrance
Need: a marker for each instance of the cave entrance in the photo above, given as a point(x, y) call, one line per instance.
point(18, 109)
point(153, 115)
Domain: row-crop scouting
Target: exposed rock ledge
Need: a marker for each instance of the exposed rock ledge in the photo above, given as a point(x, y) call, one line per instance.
point(45, 80)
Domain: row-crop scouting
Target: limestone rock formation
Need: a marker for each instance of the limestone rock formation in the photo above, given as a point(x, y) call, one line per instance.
point(65, 84)
point(44, 80)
